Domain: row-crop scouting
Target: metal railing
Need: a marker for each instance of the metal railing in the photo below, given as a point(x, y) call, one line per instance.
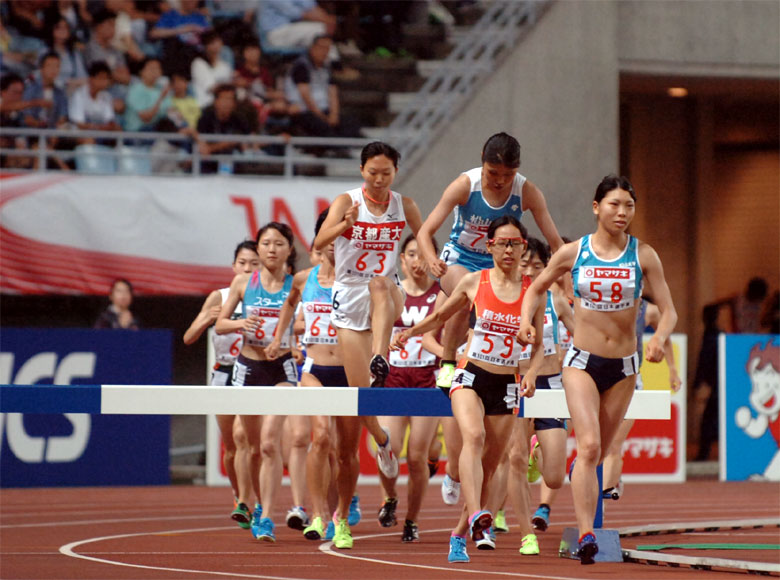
point(448, 89)
point(134, 153)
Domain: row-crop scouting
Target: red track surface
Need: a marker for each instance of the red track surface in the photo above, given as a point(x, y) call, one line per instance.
point(185, 532)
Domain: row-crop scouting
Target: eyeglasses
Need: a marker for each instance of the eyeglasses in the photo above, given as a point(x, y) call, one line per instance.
point(504, 243)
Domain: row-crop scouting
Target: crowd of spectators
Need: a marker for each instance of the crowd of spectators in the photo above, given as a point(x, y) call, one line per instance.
point(161, 65)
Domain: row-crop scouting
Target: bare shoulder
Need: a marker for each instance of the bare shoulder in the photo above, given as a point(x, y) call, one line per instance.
point(299, 280)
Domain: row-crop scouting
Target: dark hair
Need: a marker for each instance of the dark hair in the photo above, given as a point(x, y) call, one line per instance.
point(537, 247)
point(320, 221)
point(287, 233)
point(245, 245)
point(223, 88)
point(506, 220)
point(181, 73)
point(102, 16)
point(47, 55)
point(51, 25)
point(757, 289)
point(97, 67)
point(122, 281)
point(9, 79)
point(612, 182)
point(501, 149)
point(319, 37)
point(410, 238)
point(147, 60)
point(377, 148)
point(209, 36)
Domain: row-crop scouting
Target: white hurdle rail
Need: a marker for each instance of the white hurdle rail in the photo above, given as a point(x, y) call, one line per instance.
point(330, 401)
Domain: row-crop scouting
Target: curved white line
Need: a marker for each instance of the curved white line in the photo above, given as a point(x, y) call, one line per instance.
point(67, 550)
point(325, 549)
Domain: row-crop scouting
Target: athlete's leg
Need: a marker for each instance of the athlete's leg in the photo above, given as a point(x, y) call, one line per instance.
point(271, 467)
point(387, 304)
point(300, 428)
point(348, 430)
point(421, 431)
point(318, 472)
point(252, 425)
point(455, 328)
point(518, 489)
point(551, 456)
point(454, 443)
point(241, 462)
point(396, 426)
point(613, 462)
point(225, 423)
point(469, 412)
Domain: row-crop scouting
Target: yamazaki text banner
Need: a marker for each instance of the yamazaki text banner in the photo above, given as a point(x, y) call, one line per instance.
point(66, 234)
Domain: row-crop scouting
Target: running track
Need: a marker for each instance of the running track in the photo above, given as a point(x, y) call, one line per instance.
point(184, 532)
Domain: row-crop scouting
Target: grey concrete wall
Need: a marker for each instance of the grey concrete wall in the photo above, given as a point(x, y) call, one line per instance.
point(700, 37)
point(558, 94)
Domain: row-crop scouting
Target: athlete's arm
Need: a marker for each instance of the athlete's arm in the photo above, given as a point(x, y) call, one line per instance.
point(564, 310)
point(560, 263)
point(461, 297)
point(342, 215)
point(223, 324)
point(287, 312)
point(413, 216)
point(457, 193)
point(653, 317)
point(430, 340)
point(533, 201)
point(657, 287)
point(205, 318)
point(528, 383)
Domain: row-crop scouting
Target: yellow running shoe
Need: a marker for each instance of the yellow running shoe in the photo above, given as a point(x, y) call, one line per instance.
point(533, 465)
point(343, 537)
point(529, 546)
point(499, 524)
point(445, 376)
point(316, 531)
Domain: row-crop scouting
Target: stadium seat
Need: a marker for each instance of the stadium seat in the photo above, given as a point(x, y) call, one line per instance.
point(134, 161)
point(96, 159)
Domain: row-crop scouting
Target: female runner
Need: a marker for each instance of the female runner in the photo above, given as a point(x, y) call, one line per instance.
point(262, 294)
point(365, 225)
point(475, 198)
point(484, 390)
point(226, 349)
point(609, 269)
point(414, 366)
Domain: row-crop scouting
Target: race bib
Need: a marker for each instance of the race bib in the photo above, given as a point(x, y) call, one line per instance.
point(412, 355)
point(266, 327)
point(473, 236)
point(606, 288)
point(316, 316)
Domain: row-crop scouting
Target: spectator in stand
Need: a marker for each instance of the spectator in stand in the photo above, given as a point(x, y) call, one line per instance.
point(76, 14)
point(42, 87)
point(184, 110)
point(73, 71)
point(118, 314)
point(209, 70)
point(91, 106)
point(309, 87)
point(26, 17)
point(12, 107)
point(220, 119)
point(288, 24)
point(147, 101)
point(18, 54)
point(180, 30)
point(129, 32)
point(100, 48)
point(257, 86)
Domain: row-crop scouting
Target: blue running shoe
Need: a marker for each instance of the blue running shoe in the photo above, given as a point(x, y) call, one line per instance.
point(588, 548)
point(257, 515)
point(354, 511)
point(541, 518)
point(458, 550)
point(330, 531)
point(266, 530)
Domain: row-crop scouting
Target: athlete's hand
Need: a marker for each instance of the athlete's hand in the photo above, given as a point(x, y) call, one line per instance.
point(214, 313)
point(527, 334)
point(674, 380)
point(272, 350)
point(437, 267)
point(527, 385)
point(399, 339)
point(251, 324)
point(297, 356)
point(352, 214)
point(654, 352)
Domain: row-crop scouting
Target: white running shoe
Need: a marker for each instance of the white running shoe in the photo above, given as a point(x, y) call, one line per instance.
point(386, 459)
point(450, 490)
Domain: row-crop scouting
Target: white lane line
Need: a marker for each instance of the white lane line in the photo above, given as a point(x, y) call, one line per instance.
point(68, 550)
point(452, 568)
